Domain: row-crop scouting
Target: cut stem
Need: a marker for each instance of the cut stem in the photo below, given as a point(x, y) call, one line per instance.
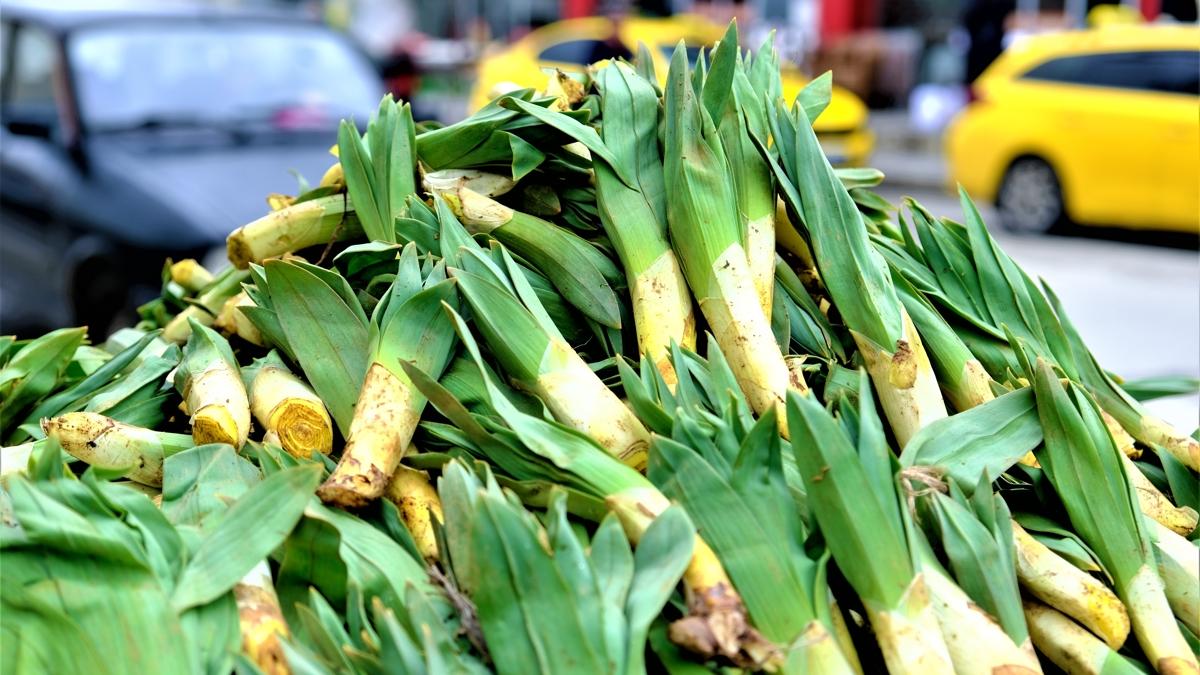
point(1068, 589)
point(261, 621)
point(286, 406)
point(308, 223)
point(1070, 647)
point(411, 492)
point(904, 380)
point(108, 444)
point(385, 418)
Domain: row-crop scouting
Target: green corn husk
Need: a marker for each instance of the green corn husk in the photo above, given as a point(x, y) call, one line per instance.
point(734, 487)
point(572, 586)
point(534, 448)
point(737, 108)
point(856, 276)
point(1082, 463)
point(78, 395)
point(852, 496)
point(1179, 567)
point(379, 171)
point(976, 538)
point(706, 234)
point(807, 327)
point(209, 380)
point(32, 372)
point(980, 283)
point(541, 361)
point(408, 324)
point(635, 217)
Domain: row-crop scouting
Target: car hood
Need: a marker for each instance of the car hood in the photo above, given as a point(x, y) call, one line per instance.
point(176, 195)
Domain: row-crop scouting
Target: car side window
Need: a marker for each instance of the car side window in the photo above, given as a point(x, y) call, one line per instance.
point(583, 52)
point(1171, 71)
point(28, 105)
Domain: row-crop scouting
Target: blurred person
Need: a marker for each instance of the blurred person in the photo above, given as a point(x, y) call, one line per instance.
point(984, 21)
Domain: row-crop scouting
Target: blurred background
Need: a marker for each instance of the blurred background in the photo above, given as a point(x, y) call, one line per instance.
point(133, 131)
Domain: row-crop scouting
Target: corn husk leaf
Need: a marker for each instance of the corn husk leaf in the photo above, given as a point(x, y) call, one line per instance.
point(325, 332)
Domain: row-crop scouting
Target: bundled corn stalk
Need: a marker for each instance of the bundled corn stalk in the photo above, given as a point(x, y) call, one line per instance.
point(557, 397)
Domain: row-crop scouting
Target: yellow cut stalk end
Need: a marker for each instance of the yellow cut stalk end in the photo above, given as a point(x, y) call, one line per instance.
point(580, 400)
point(220, 408)
point(261, 621)
point(385, 419)
point(285, 405)
point(905, 382)
point(1066, 588)
point(190, 274)
point(231, 321)
point(411, 491)
point(566, 91)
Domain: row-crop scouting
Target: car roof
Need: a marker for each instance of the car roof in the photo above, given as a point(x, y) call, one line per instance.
point(67, 15)
point(1035, 49)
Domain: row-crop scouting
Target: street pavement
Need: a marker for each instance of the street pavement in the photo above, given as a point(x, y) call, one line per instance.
point(1137, 306)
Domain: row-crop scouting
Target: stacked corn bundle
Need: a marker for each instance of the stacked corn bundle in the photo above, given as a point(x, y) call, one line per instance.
point(615, 378)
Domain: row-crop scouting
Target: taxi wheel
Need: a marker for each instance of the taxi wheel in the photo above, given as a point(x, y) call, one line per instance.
point(1030, 198)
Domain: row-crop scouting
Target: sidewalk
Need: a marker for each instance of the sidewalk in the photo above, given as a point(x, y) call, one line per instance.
point(907, 157)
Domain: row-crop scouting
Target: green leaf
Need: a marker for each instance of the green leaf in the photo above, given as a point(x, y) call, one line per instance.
point(663, 553)
point(815, 96)
point(253, 527)
point(989, 438)
point(327, 337)
point(33, 372)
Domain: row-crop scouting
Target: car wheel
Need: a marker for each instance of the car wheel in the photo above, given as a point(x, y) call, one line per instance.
point(1030, 198)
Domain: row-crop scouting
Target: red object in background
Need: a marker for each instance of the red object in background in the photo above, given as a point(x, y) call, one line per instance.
point(574, 9)
point(1151, 9)
point(840, 17)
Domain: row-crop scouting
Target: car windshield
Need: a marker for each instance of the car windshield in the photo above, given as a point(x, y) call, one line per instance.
point(156, 74)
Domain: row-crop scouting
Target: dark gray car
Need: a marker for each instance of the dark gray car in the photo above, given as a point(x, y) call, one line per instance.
point(133, 133)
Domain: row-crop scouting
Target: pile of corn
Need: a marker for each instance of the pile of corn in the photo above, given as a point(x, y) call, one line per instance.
point(602, 379)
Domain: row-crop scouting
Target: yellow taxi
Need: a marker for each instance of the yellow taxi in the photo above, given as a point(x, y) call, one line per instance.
point(572, 44)
point(1094, 127)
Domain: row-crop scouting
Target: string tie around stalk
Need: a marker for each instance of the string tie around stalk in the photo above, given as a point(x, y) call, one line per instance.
point(928, 476)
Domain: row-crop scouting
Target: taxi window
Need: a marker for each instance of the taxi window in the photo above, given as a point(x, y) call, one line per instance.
point(1170, 71)
point(583, 52)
